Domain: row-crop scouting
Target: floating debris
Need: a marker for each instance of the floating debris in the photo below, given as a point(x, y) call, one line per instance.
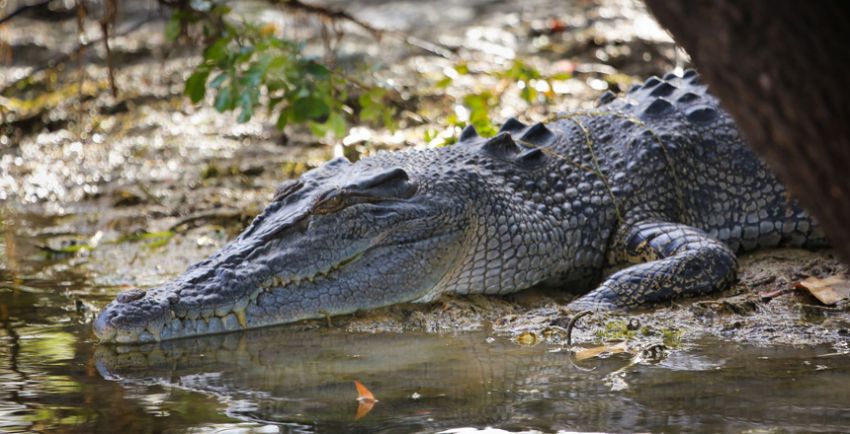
point(602, 350)
point(365, 398)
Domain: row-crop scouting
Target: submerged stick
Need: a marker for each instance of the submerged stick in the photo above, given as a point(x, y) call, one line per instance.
point(572, 324)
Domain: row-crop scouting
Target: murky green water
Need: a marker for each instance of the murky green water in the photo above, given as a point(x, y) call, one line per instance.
point(54, 378)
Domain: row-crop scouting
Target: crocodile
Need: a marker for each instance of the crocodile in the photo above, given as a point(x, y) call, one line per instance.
point(657, 183)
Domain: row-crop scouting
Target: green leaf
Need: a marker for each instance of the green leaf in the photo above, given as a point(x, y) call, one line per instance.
point(254, 75)
point(371, 104)
point(444, 83)
point(528, 93)
point(561, 76)
point(309, 108)
point(221, 10)
point(173, 27)
point(196, 84)
point(274, 101)
point(283, 118)
point(224, 100)
point(336, 123)
point(318, 130)
point(218, 80)
point(478, 102)
point(317, 70)
point(479, 112)
point(247, 105)
point(448, 142)
point(452, 120)
point(389, 119)
point(217, 51)
point(245, 54)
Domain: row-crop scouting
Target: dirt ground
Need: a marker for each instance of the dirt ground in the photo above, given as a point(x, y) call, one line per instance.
point(762, 307)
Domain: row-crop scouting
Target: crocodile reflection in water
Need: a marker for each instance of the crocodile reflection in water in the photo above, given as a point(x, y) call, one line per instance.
point(284, 376)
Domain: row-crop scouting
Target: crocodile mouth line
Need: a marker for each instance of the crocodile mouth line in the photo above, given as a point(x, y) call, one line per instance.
point(224, 318)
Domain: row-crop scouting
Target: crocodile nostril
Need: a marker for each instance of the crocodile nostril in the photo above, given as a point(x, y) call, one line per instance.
point(130, 296)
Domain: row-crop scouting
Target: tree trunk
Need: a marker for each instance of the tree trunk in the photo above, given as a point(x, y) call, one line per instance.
point(782, 70)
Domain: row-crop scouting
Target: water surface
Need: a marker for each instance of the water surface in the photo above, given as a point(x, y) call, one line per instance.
point(55, 378)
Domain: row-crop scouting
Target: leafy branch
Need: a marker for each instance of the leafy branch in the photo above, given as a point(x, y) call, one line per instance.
point(248, 67)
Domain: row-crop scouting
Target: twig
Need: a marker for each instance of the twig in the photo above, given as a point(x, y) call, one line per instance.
point(22, 9)
point(572, 324)
point(81, 51)
point(333, 14)
point(65, 57)
point(109, 18)
point(338, 14)
point(215, 214)
point(428, 46)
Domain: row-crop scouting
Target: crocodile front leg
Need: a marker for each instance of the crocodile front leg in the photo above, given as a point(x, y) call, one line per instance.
point(682, 261)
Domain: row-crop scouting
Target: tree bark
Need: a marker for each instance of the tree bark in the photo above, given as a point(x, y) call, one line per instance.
point(782, 70)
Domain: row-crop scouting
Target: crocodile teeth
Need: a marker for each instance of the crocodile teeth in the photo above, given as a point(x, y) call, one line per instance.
point(155, 329)
point(240, 316)
point(223, 310)
point(240, 305)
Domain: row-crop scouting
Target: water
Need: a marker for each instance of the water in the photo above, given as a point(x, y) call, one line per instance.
point(55, 378)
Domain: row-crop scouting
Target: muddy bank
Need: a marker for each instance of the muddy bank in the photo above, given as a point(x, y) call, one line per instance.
point(763, 308)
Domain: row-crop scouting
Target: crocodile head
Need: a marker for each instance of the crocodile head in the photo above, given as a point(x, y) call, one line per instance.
point(342, 238)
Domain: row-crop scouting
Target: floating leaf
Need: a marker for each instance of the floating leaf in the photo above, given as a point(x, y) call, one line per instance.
point(527, 338)
point(363, 394)
point(589, 353)
point(366, 400)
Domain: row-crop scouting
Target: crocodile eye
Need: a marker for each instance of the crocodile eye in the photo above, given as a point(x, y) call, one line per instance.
point(329, 205)
point(287, 188)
